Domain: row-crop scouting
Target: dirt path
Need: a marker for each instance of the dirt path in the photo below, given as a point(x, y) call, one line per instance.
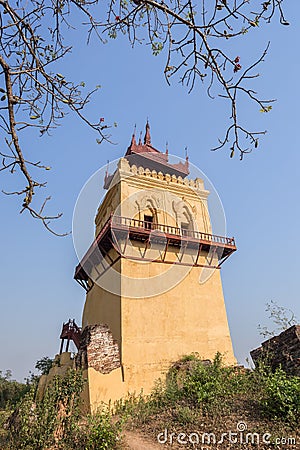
point(135, 441)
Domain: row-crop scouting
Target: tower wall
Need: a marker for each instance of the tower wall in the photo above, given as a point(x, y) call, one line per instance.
point(190, 318)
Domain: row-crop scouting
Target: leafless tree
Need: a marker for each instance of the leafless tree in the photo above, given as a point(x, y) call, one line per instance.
point(193, 36)
point(282, 318)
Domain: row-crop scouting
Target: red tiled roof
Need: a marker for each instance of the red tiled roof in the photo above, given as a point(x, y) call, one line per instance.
point(146, 155)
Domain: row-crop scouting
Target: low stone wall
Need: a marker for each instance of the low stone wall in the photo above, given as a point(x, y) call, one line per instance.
point(282, 350)
point(98, 349)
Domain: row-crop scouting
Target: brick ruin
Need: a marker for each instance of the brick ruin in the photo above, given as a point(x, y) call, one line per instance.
point(281, 351)
point(98, 349)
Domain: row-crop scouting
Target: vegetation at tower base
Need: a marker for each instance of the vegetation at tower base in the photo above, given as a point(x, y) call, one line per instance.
point(40, 424)
point(211, 398)
point(56, 420)
point(196, 395)
point(213, 389)
point(36, 37)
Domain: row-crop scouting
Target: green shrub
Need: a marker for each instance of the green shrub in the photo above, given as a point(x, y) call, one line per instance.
point(166, 392)
point(281, 397)
point(44, 365)
point(99, 433)
point(208, 386)
point(185, 414)
point(139, 408)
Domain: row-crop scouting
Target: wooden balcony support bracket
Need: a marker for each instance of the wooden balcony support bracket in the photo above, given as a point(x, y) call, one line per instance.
point(147, 245)
point(222, 260)
point(105, 254)
point(213, 254)
point(114, 241)
point(182, 251)
point(198, 254)
point(86, 284)
point(109, 266)
point(99, 273)
point(126, 242)
point(166, 250)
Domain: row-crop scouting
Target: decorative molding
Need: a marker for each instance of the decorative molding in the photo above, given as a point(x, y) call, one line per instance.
point(196, 183)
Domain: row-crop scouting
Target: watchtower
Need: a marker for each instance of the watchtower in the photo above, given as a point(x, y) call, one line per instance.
point(144, 276)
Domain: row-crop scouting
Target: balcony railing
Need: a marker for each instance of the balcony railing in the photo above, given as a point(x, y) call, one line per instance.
point(143, 225)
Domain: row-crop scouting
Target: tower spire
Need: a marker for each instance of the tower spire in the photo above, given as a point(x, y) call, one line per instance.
point(186, 158)
point(107, 166)
point(140, 138)
point(106, 172)
point(133, 141)
point(147, 138)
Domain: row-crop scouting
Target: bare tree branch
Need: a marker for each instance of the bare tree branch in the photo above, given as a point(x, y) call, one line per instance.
point(193, 36)
point(192, 32)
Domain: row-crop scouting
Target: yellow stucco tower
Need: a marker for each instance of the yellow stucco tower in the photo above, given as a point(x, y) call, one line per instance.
point(152, 277)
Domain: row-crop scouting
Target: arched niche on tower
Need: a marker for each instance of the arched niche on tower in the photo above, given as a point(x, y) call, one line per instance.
point(184, 216)
point(148, 207)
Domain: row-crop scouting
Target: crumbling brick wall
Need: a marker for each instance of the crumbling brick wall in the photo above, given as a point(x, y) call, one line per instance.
point(98, 349)
point(282, 350)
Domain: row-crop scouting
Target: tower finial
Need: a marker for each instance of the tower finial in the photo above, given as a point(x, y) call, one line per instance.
point(186, 154)
point(147, 138)
point(186, 158)
point(133, 141)
point(106, 172)
point(140, 138)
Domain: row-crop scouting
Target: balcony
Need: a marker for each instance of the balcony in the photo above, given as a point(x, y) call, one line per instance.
point(118, 231)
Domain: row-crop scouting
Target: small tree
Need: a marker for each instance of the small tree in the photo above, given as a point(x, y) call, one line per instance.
point(44, 365)
point(283, 318)
point(11, 391)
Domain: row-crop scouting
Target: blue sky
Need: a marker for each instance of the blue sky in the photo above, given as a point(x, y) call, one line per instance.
point(260, 194)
